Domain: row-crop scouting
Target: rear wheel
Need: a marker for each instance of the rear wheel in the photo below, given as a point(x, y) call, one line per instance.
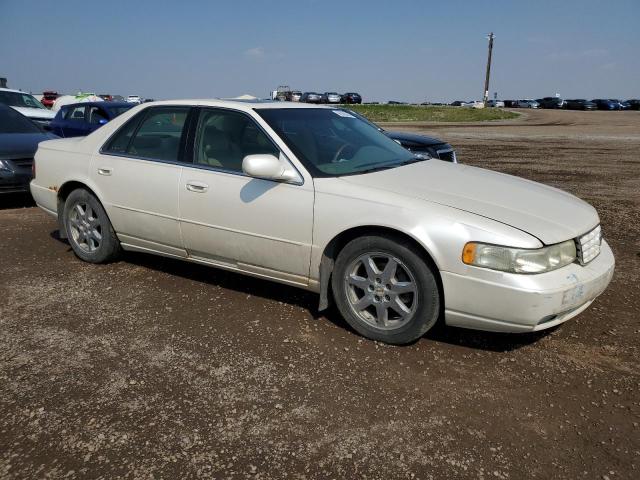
point(385, 290)
point(88, 228)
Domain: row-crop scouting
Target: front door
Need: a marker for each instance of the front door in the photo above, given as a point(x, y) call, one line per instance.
point(239, 222)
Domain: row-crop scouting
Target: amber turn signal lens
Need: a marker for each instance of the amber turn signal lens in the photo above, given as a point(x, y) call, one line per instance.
point(469, 253)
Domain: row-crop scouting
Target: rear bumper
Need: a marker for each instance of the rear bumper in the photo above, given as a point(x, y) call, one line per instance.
point(503, 302)
point(45, 198)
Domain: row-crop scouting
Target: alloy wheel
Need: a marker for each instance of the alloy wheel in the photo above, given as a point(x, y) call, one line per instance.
point(85, 227)
point(381, 290)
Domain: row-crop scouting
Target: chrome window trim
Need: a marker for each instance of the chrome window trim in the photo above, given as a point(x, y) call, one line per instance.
point(191, 163)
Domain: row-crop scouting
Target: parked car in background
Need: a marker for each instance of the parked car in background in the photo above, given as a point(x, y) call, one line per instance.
point(605, 104)
point(420, 144)
point(619, 104)
point(19, 139)
point(117, 98)
point(311, 97)
point(458, 103)
point(80, 119)
point(634, 104)
point(331, 97)
point(550, 102)
point(134, 99)
point(526, 103)
point(495, 103)
point(396, 102)
point(26, 104)
point(398, 241)
point(580, 104)
point(296, 95)
point(106, 97)
point(48, 97)
point(351, 98)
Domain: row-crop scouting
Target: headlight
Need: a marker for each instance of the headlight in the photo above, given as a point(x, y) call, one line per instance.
point(4, 166)
point(519, 260)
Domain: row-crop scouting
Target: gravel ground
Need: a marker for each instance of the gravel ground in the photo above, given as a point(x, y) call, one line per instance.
point(153, 368)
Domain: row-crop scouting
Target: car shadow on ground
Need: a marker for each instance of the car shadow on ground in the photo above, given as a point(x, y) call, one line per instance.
point(16, 200)
point(256, 287)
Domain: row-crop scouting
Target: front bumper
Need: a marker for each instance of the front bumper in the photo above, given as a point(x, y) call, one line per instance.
point(14, 182)
point(506, 302)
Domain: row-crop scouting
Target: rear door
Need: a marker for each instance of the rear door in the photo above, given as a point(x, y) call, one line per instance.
point(75, 121)
point(137, 173)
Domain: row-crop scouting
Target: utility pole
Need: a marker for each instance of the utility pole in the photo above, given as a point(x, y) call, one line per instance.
point(485, 96)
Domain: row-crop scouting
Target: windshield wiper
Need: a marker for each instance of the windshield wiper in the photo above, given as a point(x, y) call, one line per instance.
point(377, 169)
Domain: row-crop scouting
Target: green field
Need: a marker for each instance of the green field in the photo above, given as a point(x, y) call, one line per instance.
point(415, 113)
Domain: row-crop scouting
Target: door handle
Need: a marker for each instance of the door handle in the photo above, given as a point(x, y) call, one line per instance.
point(197, 187)
point(104, 171)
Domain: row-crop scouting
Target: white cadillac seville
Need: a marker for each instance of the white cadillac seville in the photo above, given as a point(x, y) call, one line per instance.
point(317, 198)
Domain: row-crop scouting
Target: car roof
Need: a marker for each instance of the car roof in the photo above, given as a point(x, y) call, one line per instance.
point(13, 90)
point(238, 104)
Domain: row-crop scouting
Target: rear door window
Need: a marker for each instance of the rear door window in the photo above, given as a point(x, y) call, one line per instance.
point(76, 114)
point(157, 137)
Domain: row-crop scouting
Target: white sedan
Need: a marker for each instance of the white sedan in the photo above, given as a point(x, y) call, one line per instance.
point(314, 197)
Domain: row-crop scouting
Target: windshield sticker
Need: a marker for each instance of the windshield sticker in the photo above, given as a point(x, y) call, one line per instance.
point(342, 113)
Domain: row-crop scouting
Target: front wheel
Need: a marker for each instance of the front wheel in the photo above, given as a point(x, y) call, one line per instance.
point(385, 289)
point(88, 228)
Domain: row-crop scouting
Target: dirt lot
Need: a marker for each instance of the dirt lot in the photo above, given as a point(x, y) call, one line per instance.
point(152, 368)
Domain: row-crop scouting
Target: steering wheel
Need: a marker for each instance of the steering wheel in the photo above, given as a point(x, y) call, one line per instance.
point(339, 152)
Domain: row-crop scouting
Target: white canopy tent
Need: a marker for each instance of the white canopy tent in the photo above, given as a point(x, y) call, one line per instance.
point(79, 98)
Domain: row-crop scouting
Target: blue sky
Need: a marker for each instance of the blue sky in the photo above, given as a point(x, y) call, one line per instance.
point(386, 50)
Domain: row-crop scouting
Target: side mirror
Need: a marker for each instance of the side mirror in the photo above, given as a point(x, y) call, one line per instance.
point(269, 167)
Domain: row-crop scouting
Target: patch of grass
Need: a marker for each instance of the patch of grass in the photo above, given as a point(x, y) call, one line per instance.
point(419, 113)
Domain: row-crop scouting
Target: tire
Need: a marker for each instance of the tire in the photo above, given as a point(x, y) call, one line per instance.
point(88, 228)
point(399, 282)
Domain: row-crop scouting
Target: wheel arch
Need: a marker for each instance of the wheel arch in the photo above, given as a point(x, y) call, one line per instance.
point(337, 243)
point(63, 192)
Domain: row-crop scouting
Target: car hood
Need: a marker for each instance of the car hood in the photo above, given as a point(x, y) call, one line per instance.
point(413, 138)
point(21, 145)
point(35, 112)
point(545, 212)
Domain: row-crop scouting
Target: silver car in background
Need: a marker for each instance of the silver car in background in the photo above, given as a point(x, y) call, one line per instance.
point(331, 97)
point(527, 104)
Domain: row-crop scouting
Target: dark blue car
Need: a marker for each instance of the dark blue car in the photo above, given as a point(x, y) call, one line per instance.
point(80, 119)
point(605, 104)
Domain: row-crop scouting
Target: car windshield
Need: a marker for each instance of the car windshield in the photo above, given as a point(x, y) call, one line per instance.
point(333, 142)
point(365, 119)
point(19, 99)
point(14, 122)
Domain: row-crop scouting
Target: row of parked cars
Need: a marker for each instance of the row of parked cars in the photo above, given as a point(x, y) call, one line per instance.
point(319, 98)
point(557, 102)
point(583, 104)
